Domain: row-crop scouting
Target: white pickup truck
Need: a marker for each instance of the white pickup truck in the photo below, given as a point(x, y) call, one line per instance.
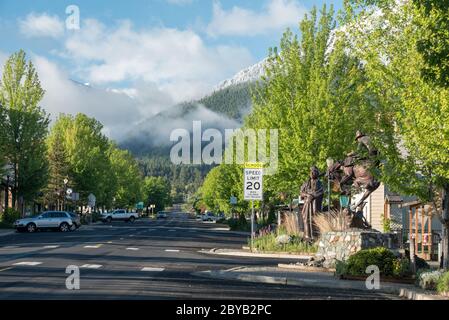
point(119, 215)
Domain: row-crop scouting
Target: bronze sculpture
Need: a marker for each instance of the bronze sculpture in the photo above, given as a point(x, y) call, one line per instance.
point(312, 193)
point(356, 171)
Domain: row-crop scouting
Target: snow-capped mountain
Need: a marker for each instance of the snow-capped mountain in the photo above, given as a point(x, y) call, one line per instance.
point(250, 74)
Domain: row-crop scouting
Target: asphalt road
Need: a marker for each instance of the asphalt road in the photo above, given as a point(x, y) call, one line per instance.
point(145, 260)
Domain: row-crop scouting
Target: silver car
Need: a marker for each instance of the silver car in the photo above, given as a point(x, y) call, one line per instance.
point(59, 220)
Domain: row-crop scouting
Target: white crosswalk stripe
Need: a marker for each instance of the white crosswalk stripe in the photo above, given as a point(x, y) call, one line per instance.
point(27, 263)
point(133, 249)
point(91, 266)
point(93, 246)
point(151, 269)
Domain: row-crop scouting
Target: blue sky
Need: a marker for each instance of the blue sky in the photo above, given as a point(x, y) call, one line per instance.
point(152, 53)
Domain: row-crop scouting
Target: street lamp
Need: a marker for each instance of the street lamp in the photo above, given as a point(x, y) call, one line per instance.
point(330, 163)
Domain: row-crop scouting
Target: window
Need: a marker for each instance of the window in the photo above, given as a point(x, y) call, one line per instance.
point(46, 215)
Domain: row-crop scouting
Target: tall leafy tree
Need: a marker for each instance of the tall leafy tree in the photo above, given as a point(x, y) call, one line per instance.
point(314, 94)
point(58, 167)
point(416, 150)
point(220, 185)
point(24, 127)
point(87, 151)
point(128, 177)
point(432, 18)
point(156, 190)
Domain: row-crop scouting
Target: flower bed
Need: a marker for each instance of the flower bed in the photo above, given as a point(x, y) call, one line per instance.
point(270, 243)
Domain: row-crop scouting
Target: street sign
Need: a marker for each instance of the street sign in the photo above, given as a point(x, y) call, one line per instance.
point(91, 200)
point(253, 182)
point(253, 190)
point(139, 206)
point(69, 191)
point(233, 200)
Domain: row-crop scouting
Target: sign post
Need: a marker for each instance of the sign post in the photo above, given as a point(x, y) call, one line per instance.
point(91, 200)
point(253, 190)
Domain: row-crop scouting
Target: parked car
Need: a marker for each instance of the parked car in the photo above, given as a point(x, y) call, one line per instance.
point(161, 215)
point(61, 220)
point(199, 216)
point(209, 216)
point(119, 215)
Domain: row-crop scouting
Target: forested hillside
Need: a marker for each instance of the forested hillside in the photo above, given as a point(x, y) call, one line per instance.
point(233, 101)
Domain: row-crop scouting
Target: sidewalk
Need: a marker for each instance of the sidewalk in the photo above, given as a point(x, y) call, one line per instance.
point(245, 253)
point(275, 275)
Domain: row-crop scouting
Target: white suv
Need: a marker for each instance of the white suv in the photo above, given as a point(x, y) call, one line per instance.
point(209, 216)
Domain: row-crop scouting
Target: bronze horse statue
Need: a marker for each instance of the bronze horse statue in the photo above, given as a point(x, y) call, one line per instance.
point(355, 172)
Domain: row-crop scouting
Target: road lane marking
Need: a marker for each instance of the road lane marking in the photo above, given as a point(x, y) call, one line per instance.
point(133, 249)
point(151, 269)
point(93, 246)
point(51, 247)
point(172, 230)
point(91, 266)
point(27, 263)
point(109, 242)
point(5, 269)
point(171, 250)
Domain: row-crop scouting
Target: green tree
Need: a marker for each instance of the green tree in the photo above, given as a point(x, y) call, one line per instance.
point(415, 139)
point(24, 127)
point(128, 177)
point(87, 150)
point(432, 19)
point(220, 185)
point(156, 190)
point(58, 168)
point(314, 94)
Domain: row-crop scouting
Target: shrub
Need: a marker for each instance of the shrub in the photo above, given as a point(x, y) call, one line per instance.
point(428, 279)
point(283, 243)
point(239, 224)
point(10, 216)
point(443, 283)
point(341, 268)
point(380, 257)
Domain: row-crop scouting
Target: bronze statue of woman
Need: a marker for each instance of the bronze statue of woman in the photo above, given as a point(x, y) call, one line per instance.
point(312, 193)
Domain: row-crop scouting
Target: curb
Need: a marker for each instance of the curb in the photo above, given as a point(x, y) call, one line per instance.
point(413, 295)
point(311, 283)
point(305, 268)
point(256, 255)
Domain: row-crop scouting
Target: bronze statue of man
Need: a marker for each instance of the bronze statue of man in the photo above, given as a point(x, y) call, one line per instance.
point(312, 193)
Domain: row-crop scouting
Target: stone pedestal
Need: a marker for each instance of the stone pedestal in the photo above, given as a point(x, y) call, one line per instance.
point(342, 244)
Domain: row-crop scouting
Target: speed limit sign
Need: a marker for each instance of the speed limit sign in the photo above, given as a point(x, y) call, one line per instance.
point(253, 182)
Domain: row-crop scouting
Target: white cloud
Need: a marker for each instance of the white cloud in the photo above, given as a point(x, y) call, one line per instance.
point(177, 60)
point(41, 25)
point(276, 15)
point(118, 110)
point(143, 113)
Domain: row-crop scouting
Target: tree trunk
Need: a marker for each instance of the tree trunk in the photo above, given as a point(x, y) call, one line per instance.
point(445, 241)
